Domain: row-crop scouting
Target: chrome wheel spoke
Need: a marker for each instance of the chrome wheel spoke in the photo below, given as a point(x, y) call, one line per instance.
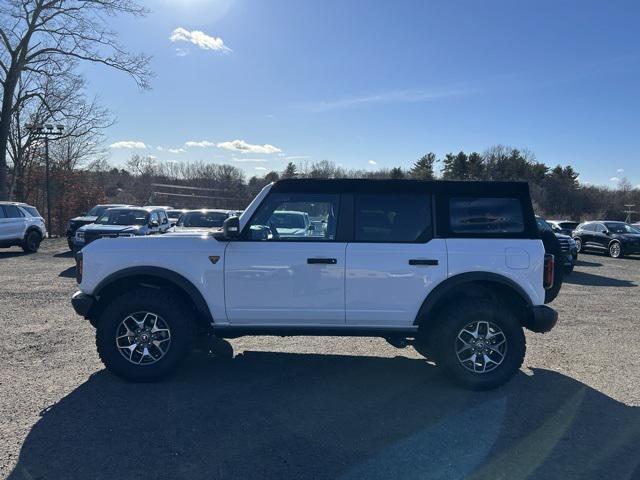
point(481, 346)
point(143, 338)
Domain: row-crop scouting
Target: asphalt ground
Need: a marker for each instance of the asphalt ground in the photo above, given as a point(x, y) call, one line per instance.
point(310, 407)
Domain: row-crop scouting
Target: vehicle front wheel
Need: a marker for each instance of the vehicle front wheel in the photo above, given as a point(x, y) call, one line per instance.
point(480, 345)
point(615, 250)
point(31, 242)
point(578, 244)
point(144, 334)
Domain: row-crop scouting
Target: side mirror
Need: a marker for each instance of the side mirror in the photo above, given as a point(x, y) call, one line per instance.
point(606, 232)
point(231, 228)
point(312, 228)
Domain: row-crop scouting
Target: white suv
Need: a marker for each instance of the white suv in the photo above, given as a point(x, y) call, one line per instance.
point(456, 269)
point(21, 225)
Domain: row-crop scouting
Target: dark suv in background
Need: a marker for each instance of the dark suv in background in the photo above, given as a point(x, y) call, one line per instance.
point(85, 219)
point(614, 238)
point(567, 245)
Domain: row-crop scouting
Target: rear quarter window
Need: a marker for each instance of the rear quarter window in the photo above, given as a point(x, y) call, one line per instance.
point(486, 215)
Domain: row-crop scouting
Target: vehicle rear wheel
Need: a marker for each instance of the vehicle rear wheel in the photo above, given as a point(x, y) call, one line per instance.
point(31, 242)
point(615, 250)
point(143, 335)
point(480, 345)
point(578, 244)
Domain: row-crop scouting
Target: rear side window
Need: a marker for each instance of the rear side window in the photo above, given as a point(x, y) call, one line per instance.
point(486, 215)
point(11, 211)
point(393, 218)
point(31, 211)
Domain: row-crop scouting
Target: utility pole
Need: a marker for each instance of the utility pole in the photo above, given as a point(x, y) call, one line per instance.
point(629, 211)
point(46, 131)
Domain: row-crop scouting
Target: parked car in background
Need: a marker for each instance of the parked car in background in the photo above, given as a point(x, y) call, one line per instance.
point(159, 207)
point(86, 218)
point(123, 222)
point(614, 238)
point(205, 219)
point(21, 225)
point(174, 215)
point(567, 245)
point(457, 269)
point(565, 227)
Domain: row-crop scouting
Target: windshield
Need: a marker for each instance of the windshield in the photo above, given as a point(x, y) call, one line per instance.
point(542, 225)
point(619, 227)
point(287, 220)
point(123, 217)
point(568, 225)
point(202, 219)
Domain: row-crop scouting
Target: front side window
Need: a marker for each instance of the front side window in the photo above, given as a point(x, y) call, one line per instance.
point(295, 217)
point(486, 215)
point(392, 218)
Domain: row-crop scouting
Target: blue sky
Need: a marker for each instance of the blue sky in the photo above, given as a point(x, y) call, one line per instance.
point(371, 84)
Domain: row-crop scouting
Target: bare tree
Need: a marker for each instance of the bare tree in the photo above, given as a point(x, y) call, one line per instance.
point(49, 37)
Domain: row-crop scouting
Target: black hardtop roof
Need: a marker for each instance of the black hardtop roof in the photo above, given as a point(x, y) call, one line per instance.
point(344, 185)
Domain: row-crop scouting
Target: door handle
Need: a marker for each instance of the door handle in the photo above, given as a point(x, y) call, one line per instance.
point(326, 261)
point(423, 261)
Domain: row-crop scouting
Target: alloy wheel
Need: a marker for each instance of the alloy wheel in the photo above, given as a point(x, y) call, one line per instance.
point(578, 244)
point(143, 338)
point(481, 346)
point(615, 250)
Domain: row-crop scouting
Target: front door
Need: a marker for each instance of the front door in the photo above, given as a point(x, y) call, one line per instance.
point(394, 261)
point(285, 269)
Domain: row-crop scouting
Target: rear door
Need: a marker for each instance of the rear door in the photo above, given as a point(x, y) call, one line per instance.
point(599, 239)
point(393, 261)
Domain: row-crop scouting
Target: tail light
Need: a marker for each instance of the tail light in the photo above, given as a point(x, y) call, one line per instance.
point(549, 267)
point(79, 267)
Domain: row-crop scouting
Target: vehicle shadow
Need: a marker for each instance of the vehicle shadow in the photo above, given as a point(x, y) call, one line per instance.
point(278, 415)
point(68, 272)
point(12, 254)
point(67, 254)
point(593, 280)
point(583, 263)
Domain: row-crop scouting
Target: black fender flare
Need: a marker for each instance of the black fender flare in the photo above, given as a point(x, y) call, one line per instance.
point(33, 229)
point(185, 285)
point(445, 287)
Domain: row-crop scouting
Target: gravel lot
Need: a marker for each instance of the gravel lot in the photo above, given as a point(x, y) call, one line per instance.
point(317, 407)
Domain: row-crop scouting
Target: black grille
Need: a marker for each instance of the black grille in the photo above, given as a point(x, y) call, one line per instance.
point(564, 244)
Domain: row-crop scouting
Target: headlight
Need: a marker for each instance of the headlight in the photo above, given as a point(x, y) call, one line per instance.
point(79, 235)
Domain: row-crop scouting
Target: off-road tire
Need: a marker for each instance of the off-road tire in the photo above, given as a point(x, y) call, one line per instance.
point(453, 318)
point(175, 313)
point(31, 242)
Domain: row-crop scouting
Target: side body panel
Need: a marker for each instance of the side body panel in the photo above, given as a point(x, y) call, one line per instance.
point(185, 255)
point(520, 260)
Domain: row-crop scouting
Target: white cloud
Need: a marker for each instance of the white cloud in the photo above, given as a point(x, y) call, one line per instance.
point(201, 144)
point(620, 170)
point(297, 157)
point(244, 147)
point(614, 179)
point(170, 150)
point(182, 52)
point(372, 162)
point(128, 144)
point(393, 96)
point(257, 160)
point(263, 169)
point(201, 39)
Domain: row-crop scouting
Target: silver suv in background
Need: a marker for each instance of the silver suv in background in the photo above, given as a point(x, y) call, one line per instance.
point(21, 225)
